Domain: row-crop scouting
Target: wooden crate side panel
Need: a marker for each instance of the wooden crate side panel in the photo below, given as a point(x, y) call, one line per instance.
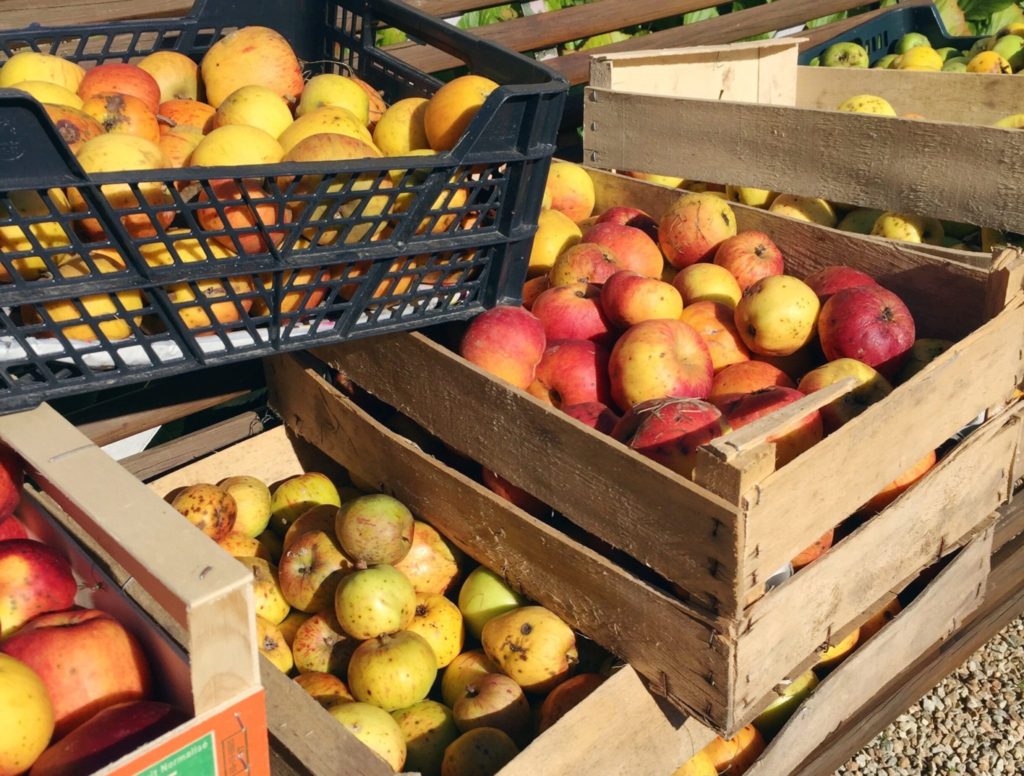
point(933, 616)
point(684, 659)
point(682, 531)
point(932, 517)
point(192, 584)
point(959, 98)
point(840, 473)
point(946, 299)
point(893, 164)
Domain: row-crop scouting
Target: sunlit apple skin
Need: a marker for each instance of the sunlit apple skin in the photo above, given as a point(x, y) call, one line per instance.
point(658, 359)
point(868, 323)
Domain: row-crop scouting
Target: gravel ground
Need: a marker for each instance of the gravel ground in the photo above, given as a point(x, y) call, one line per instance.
point(972, 723)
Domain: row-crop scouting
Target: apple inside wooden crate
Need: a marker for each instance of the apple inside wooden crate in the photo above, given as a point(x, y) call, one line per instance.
point(155, 639)
point(699, 550)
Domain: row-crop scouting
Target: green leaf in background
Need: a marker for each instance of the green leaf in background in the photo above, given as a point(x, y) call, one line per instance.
point(982, 9)
point(1001, 19)
point(821, 21)
point(389, 36)
point(699, 16)
point(606, 39)
point(485, 16)
point(953, 17)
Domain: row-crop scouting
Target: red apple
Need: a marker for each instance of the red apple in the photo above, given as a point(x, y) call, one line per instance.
point(12, 477)
point(514, 494)
point(108, 736)
point(746, 377)
point(629, 298)
point(573, 313)
point(584, 262)
point(506, 341)
point(693, 227)
point(87, 660)
point(631, 216)
point(870, 324)
point(788, 445)
point(827, 281)
point(564, 697)
point(658, 359)
point(12, 528)
point(633, 248)
point(34, 579)
point(593, 414)
point(572, 372)
point(750, 256)
point(669, 431)
point(533, 288)
point(121, 78)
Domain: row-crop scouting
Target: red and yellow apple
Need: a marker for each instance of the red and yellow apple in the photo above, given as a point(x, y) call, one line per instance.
point(34, 579)
point(632, 248)
point(629, 297)
point(659, 359)
point(669, 431)
point(573, 312)
point(704, 282)
point(693, 228)
point(584, 262)
point(750, 256)
point(870, 387)
point(868, 323)
point(714, 322)
point(508, 342)
point(788, 444)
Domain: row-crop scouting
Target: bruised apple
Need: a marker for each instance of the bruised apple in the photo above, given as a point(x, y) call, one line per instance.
point(508, 342)
point(657, 359)
point(208, 508)
point(439, 621)
point(868, 323)
point(693, 228)
point(572, 372)
point(532, 645)
point(670, 430)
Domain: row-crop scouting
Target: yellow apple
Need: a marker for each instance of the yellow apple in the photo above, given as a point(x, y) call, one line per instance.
point(335, 90)
point(254, 106)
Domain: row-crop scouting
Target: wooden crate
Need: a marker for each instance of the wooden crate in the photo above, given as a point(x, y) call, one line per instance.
point(616, 730)
point(748, 115)
point(117, 537)
point(718, 539)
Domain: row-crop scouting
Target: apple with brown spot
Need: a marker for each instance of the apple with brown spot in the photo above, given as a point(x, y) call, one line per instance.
point(633, 248)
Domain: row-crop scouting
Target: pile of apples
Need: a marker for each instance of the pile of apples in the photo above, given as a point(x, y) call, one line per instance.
point(356, 598)
point(245, 103)
point(667, 334)
point(76, 689)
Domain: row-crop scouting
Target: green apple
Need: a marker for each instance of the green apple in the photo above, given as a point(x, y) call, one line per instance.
point(885, 62)
point(483, 596)
point(815, 62)
point(911, 40)
point(922, 353)
point(900, 226)
point(770, 721)
point(1011, 48)
point(982, 44)
point(948, 53)
point(428, 727)
point(955, 65)
point(845, 55)
point(859, 221)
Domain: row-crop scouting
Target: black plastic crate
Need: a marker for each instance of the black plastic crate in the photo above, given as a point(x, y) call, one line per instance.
point(880, 34)
point(275, 257)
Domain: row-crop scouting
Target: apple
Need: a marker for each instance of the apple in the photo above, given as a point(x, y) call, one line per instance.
point(483, 596)
point(290, 625)
point(249, 226)
point(428, 728)
point(272, 645)
point(514, 494)
point(494, 701)
point(375, 728)
point(633, 248)
point(121, 78)
point(572, 372)
point(628, 298)
point(374, 601)
point(332, 120)
point(270, 601)
point(670, 430)
point(254, 106)
point(777, 315)
point(594, 414)
point(74, 126)
point(880, 619)
point(26, 716)
point(238, 545)
point(480, 751)
point(34, 579)
point(714, 322)
point(573, 312)
point(810, 209)
point(35, 66)
point(392, 671)
point(698, 765)
point(178, 144)
point(337, 90)
point(556, 233)
point(533, 288)
point(123, 114)
point(374, 529)
point(693, 228)
point(815, 551)
point(12, 477)
point(870, 388)
point(508, 342)
point(252, 503)
point(868, 323)
point(895, 489)
point(532, 645)
point(12, 528)
point(584, 262)
point(298, 494)
point(571, 189)
point(738, 753)
point(321, 645)
point(828, 280)
point(631, 216)
point(176, 114)
point(176, 75)
point(251, 55)
point(922, 352)
point(326, 689)
point(705, 282)
point(751, 197)
point(318, 518)
point(564, 697)
point(770, 721)
point(834, 654)
point(432, 564)
point(310, 570)
point(439, 621)
point(656, 359)
point(462, 671)
point(86, 659)
point(789, 444)
point(750, 256)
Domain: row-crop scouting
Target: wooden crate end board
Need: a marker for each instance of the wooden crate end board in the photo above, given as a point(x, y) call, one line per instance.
point(934, 615)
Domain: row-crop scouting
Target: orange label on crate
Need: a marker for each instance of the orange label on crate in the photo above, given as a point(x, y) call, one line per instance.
point(195, 759)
